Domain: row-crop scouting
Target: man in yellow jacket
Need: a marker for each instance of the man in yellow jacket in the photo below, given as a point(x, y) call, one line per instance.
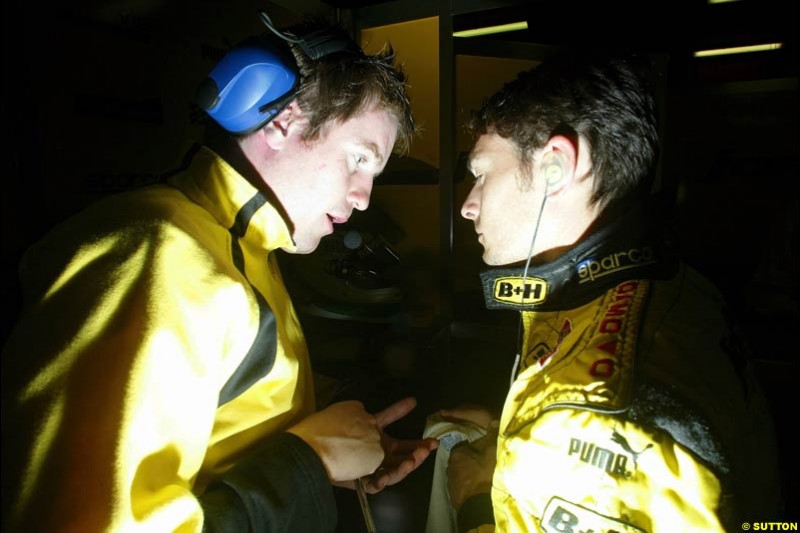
point(630, 407)
point(160, 377)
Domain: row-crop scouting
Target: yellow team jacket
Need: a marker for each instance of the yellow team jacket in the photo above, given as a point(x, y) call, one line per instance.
point(627, 415)
point(164, 346)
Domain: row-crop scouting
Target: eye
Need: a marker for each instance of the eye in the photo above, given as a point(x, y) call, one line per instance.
point(359, 159)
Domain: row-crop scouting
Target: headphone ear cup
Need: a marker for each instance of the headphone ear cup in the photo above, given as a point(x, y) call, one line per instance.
point(207, 95)
point(249, 86)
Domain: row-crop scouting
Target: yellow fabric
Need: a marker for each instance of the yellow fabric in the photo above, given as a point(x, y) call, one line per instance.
point(569, 454)
point(139, 316)
point(566, 460)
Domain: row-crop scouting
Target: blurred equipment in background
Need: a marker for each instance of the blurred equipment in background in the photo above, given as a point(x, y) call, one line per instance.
point(355, 273)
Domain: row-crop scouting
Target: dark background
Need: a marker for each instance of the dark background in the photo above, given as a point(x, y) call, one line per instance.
point(97, 99)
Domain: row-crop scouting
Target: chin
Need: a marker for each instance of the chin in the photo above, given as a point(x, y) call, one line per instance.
point(306, 246)
point(304, 250)
point(500, 260)
point(489, 259)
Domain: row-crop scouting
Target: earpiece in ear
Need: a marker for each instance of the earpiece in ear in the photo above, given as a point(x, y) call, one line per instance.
point(553, 168)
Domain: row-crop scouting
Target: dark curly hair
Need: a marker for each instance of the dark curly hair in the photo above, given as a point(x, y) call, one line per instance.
point(606, 99)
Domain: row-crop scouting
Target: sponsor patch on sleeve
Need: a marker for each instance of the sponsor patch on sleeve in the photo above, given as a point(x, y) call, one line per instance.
point(566, 517)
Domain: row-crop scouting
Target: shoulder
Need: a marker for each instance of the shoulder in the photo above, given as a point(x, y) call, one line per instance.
point(609, 466)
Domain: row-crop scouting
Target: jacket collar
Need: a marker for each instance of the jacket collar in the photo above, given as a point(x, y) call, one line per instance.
point(213, 184)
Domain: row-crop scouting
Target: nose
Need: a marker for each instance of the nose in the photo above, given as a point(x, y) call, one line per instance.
point(360, 191)
point(472, 204)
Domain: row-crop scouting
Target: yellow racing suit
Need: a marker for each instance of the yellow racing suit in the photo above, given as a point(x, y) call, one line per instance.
point(155, 365)
point(632, 409)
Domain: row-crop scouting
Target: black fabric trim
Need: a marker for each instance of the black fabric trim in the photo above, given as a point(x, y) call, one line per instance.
point(475, 512)
point(240, 224)
point(658, 406)
point(281, 487)
point(261, 356)
point(566, 288)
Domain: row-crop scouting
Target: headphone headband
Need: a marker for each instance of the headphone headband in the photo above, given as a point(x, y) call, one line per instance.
point(321, 43)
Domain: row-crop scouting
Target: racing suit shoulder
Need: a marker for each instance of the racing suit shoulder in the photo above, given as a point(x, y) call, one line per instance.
point(581, 469)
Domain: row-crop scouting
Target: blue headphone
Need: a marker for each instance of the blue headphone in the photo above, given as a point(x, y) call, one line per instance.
point(258, 78)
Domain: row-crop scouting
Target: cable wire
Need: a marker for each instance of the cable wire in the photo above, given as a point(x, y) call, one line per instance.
point(268, 23)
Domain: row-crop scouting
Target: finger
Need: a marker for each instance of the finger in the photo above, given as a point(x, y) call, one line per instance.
point(375, 483)
point(382, 478)
point(372, 487)
point(409, 446)
point(409, 463)
point(395, 412)
point(414, 457)
point(422, 453)
point(399, 467)
point(396, 474)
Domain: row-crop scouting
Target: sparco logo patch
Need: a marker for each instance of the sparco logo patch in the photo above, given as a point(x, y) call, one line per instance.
point(521, 291)
point(591, 269)
point(567, 517)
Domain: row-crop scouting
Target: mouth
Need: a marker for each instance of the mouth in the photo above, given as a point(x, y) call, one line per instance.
point(332, 220)
point(337, 220)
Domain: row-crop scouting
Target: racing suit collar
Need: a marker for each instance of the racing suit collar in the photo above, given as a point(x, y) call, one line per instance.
point(632, 245)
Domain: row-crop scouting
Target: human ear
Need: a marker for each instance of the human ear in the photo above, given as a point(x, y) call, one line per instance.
point(285, 124)
point(557, 164)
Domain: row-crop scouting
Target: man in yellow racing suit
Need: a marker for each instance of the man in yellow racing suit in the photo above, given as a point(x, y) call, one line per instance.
point(632, 408)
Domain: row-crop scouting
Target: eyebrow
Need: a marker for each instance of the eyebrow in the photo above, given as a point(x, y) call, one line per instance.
point(372, 147)
point(473, 156)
